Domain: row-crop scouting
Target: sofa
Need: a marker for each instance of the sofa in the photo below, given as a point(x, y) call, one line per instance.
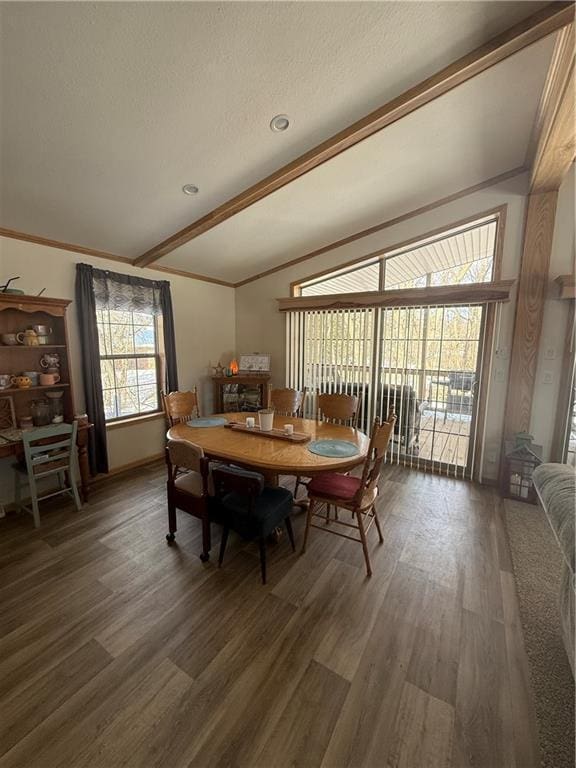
point(555, 485)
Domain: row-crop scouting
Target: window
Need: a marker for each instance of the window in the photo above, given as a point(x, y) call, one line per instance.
point(459, 255)
point(424, 361)
point(129, 362)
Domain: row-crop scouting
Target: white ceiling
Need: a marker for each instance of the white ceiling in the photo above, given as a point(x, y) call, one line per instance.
point(107, 109)
point(471, 134)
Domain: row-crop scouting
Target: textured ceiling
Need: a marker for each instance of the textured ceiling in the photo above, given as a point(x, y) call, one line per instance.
point(109, 108)
point(474, 132)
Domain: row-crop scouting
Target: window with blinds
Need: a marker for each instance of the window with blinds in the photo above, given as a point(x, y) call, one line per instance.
point(422, 362)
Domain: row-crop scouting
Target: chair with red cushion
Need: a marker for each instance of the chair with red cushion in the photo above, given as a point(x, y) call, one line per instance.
point(357, 494)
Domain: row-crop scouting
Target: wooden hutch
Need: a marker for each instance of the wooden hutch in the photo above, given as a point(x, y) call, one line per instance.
point(17, 313)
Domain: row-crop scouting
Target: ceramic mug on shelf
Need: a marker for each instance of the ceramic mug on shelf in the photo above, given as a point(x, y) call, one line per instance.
point(33, 376)
point(42, 330)
point(28, 337)
point(49, 379)
point(9, 339)
point(5, 380)
point(22, 382)
point(50, 360)
point(43, 340)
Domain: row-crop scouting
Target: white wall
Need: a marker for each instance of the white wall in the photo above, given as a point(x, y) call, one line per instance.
point(260, 327)
point(204, 319)
point(554, 328)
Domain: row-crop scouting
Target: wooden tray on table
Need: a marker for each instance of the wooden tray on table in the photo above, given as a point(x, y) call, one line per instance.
point(275, 434)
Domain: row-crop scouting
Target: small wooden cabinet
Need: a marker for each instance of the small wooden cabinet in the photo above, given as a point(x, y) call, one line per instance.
point(247, 393)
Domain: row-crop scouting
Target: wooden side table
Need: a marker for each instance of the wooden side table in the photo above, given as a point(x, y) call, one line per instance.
point(246, 381)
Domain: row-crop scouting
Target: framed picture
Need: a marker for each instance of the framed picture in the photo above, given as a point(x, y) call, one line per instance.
point(255, 363)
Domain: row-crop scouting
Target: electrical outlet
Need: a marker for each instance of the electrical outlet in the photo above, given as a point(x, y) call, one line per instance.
point(499, 375)
point(547, 377)
point(550, 353)
point(491, 457)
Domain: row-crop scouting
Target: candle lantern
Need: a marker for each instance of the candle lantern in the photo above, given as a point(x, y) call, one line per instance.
point(521, 457)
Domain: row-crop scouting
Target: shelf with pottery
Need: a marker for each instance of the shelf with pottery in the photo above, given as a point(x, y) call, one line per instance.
point(13, 390)
point(37, 319)
point(29, 347)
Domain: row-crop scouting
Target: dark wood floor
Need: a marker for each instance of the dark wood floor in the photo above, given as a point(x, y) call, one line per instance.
point(116, 650)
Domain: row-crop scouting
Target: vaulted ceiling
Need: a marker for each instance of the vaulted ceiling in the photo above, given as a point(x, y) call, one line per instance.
point(108, 109)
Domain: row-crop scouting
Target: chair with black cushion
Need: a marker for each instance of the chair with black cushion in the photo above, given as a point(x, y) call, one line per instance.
point(188, 487)
point(246, 506)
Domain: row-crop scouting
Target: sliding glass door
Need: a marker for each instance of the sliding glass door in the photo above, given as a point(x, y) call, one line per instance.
point(421, 362)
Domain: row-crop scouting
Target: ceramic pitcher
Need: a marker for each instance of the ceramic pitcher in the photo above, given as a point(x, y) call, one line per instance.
point(28, 337)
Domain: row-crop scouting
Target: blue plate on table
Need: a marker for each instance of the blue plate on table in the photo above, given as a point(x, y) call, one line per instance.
point(336, 449)
point(207, 422)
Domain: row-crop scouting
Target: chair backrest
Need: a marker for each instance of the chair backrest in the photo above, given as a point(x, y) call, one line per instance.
point(50, 449)
point(379, 441)
point(287, 402)
point(235, 480)
point(182, 454)
point(338, 408)
point(180, 406)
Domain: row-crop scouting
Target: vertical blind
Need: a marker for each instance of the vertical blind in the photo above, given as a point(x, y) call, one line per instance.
point(421, 362)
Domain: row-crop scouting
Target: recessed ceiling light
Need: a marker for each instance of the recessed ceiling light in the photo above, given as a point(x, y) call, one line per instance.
point(280, 123)
point(190, 189)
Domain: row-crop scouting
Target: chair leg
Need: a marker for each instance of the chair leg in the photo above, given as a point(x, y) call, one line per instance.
point(364, 543)
point(224, 539)
point(17, 492)
point(263, 559)
point(35, 508)
point(377, 521)
point(75, 494)
point(308, 521)
point(206, 543)
point(327, 522)
point(171, 535)
point(288, 524)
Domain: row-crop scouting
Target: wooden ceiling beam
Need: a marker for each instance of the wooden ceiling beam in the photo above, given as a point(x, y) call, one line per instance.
point(549, 19)
point(555, 144)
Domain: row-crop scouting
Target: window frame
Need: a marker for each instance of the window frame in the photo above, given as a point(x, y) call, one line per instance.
point(498, 213)
point(158, 357)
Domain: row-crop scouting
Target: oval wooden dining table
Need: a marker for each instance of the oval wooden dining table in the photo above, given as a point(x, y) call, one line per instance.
point(271, 456)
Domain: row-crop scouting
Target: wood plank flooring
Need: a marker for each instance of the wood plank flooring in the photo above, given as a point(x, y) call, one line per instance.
point(117, 650)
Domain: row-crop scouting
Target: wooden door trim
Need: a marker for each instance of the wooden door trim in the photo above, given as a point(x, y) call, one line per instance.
point(561, 426)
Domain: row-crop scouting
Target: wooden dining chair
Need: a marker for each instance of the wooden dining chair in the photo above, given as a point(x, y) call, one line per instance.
point(49, 452)
point(180, 406)
point(188, 490)
point(245, 505)
point(357, 494)
point(337, 408)
point(287, 402)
